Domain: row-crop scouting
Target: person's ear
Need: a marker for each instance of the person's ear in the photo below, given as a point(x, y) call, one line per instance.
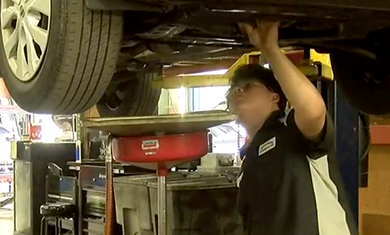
point(275, 98)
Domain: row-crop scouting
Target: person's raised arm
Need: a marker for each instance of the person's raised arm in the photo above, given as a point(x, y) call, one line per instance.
point(310, 109)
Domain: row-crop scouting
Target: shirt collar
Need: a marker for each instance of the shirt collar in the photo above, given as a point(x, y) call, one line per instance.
point(274, 119)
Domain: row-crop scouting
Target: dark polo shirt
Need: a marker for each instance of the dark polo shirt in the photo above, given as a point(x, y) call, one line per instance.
point(289, 186)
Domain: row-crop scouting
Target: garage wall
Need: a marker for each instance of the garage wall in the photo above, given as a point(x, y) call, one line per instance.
point(374, 201)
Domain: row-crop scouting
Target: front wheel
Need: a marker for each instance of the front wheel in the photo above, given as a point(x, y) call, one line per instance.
point(57, 56)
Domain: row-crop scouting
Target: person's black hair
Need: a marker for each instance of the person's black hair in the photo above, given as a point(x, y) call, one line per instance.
point(256, 72)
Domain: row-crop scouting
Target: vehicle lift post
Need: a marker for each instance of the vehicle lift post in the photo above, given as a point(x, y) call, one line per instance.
point(347, 143)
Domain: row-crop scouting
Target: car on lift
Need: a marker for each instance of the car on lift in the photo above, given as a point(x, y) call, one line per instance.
point(65, 56)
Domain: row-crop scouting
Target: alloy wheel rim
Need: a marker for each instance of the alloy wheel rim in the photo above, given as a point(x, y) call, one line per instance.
point(25, 33)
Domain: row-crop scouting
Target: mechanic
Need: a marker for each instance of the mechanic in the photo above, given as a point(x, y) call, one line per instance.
point(290, 183)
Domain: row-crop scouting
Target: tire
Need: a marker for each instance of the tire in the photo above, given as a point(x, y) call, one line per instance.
point(139, 97)
point(365, 82)
point(78, 63)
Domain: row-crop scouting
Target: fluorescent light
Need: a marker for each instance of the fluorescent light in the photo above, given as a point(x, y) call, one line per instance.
point(214, 72)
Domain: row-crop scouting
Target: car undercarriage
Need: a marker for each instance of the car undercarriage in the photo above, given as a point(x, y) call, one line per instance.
point(196, 32)
point(107, 52)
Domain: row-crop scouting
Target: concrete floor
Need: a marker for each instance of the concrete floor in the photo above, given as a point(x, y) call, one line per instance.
point(7, 220)
point(6, 213)
point(7, 226)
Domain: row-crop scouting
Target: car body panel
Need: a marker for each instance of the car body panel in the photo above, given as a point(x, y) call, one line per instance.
point(158, 6)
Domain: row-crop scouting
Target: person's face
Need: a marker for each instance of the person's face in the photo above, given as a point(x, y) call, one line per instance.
point(252, 101)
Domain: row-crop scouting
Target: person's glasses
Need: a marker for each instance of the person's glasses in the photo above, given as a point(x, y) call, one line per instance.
point(244, 87)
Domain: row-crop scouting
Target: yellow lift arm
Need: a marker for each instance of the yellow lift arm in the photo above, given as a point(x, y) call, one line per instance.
point(315, 68)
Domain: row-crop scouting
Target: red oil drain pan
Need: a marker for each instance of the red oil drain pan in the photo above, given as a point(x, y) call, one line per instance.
point(165, 151)
point(163, 141)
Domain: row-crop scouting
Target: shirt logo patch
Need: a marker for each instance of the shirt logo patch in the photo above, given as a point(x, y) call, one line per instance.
point(267, 146)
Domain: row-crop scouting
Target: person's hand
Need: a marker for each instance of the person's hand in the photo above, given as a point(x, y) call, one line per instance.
point(264, 37)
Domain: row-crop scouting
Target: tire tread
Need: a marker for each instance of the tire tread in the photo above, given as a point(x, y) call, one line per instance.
point(91, 48)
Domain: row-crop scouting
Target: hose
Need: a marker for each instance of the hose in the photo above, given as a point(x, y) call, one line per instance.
point(366, 129)
point(110, 210)
point(364, 150)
